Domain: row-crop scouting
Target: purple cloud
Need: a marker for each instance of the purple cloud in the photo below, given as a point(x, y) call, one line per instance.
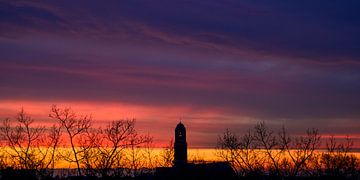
point(280, 62)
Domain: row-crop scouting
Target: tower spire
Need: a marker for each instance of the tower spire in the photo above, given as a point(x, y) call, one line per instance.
point(180, 146)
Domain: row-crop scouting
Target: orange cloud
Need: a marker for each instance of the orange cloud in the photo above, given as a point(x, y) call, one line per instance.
point(158, 121)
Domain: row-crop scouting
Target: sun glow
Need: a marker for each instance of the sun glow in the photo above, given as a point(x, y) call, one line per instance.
point(144, 156)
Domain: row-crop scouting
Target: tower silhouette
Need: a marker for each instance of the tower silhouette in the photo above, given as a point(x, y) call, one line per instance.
point(180, 146)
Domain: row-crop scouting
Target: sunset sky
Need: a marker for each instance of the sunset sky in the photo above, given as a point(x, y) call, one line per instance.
point(213, 64)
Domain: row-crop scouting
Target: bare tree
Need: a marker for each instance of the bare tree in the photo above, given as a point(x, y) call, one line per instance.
point(53, 140)
point(135, 157)
point(167, 155)
point(150, 157)
point(118, 146)
point(75, 127)
point(118, 136)
point(107, 150)
point(3, 159)
point(241, 152)
point(269, 143)
point(90, 155)
point(262, 150)
point(30, 147)
point(300, 151)
point(338, 160)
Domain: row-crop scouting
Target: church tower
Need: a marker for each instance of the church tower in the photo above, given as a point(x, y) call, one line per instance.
point(180, 146)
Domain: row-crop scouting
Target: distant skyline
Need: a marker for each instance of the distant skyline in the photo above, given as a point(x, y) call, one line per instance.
point(215, 65)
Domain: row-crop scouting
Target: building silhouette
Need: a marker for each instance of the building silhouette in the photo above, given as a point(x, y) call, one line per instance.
point(182, 169)
point(180, 146)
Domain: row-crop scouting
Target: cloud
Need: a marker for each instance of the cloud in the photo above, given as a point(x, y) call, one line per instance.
point(299, 31)
point(279, 61)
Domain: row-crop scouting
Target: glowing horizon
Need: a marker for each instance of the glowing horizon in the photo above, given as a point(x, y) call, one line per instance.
point(104, 113)
point(195, 155)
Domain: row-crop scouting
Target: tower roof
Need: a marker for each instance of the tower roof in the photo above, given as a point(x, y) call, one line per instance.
point(180, 126)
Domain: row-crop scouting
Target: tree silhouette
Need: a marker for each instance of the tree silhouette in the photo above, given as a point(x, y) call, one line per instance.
point(75, 127)
point(167, 155)
point(30, 147)
point(135, 155)
point(267, 140)
point(106, 152)
point(241, 152)
point(118, 150)
point(150, 157)
point(262, 151)
point(338, 161)
point(299, 150)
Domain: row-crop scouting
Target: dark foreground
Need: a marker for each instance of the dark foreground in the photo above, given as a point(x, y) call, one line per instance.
point(162, 174)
